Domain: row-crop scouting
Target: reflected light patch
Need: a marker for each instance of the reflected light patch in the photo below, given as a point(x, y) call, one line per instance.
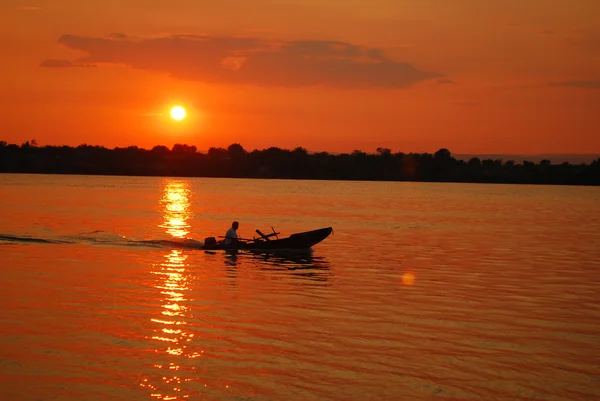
point(175, 351)
point(172, 282)
point(177, 211)
point(408, 278)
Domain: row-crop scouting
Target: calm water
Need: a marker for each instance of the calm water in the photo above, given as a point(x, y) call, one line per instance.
point(424, 291)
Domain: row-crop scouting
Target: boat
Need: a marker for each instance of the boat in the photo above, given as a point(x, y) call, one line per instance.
point(298, 241)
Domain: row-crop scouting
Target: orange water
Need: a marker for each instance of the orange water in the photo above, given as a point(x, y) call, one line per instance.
point(424, 290)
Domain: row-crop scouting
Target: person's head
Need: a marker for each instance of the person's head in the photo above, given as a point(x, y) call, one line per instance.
point(235, 225)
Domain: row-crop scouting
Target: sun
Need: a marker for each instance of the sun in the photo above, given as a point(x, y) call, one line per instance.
point(178, 113)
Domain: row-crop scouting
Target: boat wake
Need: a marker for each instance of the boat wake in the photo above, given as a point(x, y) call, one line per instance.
point(97, 238)
point(301, 262)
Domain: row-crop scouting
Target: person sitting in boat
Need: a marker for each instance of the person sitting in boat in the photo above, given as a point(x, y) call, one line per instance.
point(231, 236)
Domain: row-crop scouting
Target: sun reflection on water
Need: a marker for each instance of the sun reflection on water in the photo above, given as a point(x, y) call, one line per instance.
point(176, 201)
point(171, 334)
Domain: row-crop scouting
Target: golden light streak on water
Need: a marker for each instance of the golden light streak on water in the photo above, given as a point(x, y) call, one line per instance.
point(176, 209)
point(172, 287)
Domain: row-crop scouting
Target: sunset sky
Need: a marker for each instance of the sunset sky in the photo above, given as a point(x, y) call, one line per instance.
point(473, 76)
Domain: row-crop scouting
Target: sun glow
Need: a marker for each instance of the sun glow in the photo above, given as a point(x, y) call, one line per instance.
point(178, 113)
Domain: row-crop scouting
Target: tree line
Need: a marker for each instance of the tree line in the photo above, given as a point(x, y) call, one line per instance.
point(236, 162)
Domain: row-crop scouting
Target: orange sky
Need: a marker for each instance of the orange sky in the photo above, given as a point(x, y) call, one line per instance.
point(511, 76)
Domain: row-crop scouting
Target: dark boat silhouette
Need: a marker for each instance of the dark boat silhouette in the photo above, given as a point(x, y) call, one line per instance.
point(297, 241)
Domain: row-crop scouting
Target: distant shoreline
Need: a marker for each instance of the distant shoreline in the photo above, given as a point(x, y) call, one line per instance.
point(275, 163)
point(556, 158)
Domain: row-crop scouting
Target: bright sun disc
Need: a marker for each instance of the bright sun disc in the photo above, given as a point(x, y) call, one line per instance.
point(178, 113)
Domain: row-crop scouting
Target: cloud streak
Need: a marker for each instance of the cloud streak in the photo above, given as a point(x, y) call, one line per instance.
point(445, 81)
point(59, 63)
point(247, 60)
point(469, 104)
point(578, 84)
point(29, 8)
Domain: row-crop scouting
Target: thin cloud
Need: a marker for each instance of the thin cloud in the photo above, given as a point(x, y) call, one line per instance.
point(259, 30)
point(118, 36)
point(29, 8)
point(59, 63)
point(469, 104)
point(584, 39)
point(577, 84)
point(445, 81)
point(248, 60)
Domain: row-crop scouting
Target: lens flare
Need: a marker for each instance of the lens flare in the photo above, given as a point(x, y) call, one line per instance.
point(408, 278)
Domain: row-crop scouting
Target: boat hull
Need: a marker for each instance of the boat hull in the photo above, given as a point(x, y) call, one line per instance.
point(304, 240)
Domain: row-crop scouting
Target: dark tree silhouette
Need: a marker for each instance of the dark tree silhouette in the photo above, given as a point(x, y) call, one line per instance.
point(235, 161)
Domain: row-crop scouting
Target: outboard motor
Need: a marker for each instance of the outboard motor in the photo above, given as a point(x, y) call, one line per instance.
point(210, 242)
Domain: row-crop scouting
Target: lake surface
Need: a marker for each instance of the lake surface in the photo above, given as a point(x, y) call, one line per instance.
point(425, 290)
